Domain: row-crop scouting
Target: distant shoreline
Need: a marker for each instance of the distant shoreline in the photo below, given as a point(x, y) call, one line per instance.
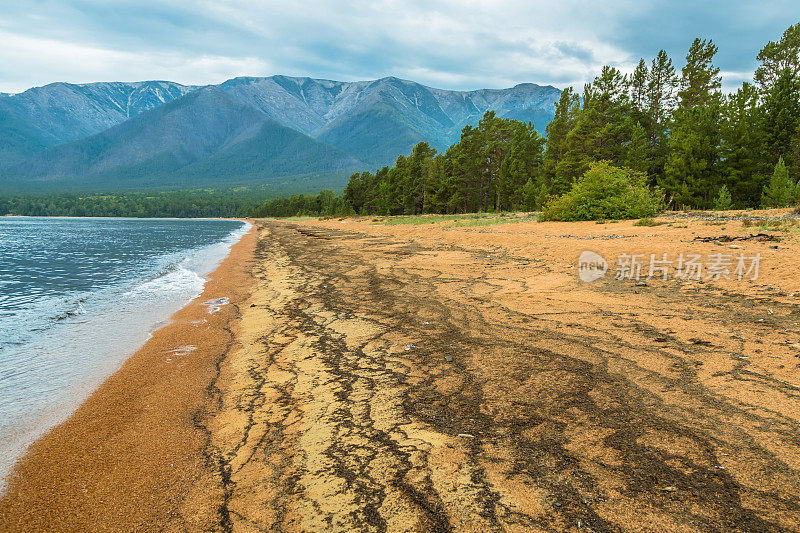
point(242, 219)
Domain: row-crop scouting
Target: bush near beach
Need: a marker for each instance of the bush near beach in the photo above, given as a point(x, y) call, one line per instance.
point(606, 192)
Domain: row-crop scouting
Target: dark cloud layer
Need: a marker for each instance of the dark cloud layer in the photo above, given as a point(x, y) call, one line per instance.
point(462, 44)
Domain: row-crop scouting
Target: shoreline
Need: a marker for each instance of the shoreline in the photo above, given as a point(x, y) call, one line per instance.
point(132, 454)
point(123, 218)
point(79, 347)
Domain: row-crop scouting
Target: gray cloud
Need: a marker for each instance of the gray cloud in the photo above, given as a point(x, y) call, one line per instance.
point(458, 44)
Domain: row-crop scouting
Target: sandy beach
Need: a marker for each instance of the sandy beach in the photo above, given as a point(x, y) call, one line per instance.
point(370, 377)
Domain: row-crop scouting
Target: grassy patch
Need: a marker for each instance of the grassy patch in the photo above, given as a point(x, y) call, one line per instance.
point(647, 221)
point(471, 222)
point(784, 225)
point(458, 221)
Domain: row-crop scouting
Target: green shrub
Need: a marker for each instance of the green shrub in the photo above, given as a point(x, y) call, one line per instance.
point(606, 192)
point(647, 222)
point(723, 201)
point(781, 190)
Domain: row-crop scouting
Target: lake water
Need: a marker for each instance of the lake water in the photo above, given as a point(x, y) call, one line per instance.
point(78, 296)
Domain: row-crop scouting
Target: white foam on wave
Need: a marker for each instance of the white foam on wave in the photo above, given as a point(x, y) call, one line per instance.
point(187, 274)
point(180, 280)
point(209, 257)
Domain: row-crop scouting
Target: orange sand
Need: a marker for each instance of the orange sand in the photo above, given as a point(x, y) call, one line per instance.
point(437, 378)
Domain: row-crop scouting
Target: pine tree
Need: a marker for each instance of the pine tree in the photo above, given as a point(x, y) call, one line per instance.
point(778, 77)
point(602, 127)
point(662, 83)
point(637, 153)
point(567, 109)
point(693, 168)
point(782, 115)
point(637, 87)
point(435, 185)
point(356, 190)
point(780, 189)
point(396, 180)
point(417, 169)
point(529, 192)
point(700, 80)
point(743, 146)
point(523, 162)
point(778, 58)
point(723, 202)
point(470, 171)
point(498, 135)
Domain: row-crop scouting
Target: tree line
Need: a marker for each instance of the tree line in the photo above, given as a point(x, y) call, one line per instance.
point(180, 204)
point(698, 147)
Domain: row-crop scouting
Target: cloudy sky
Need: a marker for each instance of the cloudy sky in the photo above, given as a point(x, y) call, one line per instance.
point(454, 44)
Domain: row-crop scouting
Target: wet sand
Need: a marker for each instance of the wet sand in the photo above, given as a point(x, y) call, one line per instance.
point(429, 378)
point(135, 456)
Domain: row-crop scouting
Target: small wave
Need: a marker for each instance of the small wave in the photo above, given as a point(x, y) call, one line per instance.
point(179, 280)
point(24, 322)
point(77, 310)
point(184, 272)
point(207, 258)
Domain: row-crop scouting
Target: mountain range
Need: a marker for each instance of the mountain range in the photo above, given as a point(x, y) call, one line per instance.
point(276, 130)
